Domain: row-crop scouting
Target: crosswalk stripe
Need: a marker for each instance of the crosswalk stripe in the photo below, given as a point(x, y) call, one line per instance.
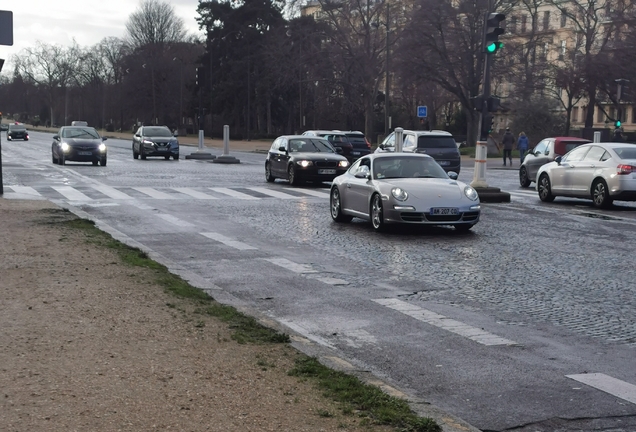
point(71, 193)
point(608, 384)
point(26, 190)
point(272, 193)
point(228, 241)
point(175, 220)
point(313, 193)
point(291, 266)
point(111, 192)
point(153, 193)
point(194, 194)
point(233, 193)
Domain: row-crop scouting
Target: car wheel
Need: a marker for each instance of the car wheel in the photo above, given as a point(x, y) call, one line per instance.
point(167, 157)
point(268, 173)
point(61, 160)
point(102, 161)
point(377, 213)
point(135, 154)
point(524, 181)
point(336, 207)
point(175, 157)
point(463, 227)
point(291, 175)
point(142, 154)
point(600, 194)
point(545, 189)
point(95, 162)
point(53, 158)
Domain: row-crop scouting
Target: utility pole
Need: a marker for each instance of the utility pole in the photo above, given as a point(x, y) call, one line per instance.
point(386, 81)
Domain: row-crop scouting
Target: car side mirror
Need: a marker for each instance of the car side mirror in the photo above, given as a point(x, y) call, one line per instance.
point(558, 159)
point(282, 149)
point(381, 146)
point(56, 137)
point(104, 138)
point(175, 135)
point(362, 175)
point(452, 175)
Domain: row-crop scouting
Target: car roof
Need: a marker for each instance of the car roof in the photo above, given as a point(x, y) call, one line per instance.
point(568, 138)
point(301, 137)
point(429, 132)
point(400, 154)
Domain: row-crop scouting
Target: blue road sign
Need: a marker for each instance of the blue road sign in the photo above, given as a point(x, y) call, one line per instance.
point(421, 111)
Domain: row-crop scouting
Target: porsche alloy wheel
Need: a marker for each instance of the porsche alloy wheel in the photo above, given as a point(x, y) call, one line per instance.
point(377, 213)
point(336, 207)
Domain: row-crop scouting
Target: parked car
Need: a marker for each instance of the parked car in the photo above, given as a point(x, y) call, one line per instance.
point(361, 146)
point(602, 172)
point(406, 188)
point(300, 158)
point(17, 131)
point(545, 151)
point(78, 144)
point(436, 143)
point(79, 123)
point(337, 139)
point(155, 141)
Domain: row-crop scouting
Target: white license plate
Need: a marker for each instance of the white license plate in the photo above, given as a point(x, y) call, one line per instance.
point(84, 153)
point(444, 163)
point(444, 211)
point(355, 153)
point(326, 171)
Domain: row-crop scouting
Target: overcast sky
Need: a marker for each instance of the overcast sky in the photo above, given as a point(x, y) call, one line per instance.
point(87, 21)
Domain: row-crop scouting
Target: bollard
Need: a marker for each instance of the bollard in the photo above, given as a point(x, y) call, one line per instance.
point(225, 157)
point(399, 139)
point(200, 153)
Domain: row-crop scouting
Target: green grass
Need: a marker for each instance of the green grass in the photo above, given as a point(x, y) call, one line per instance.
point(355, 397)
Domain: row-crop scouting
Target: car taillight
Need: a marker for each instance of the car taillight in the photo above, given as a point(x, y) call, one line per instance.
point(625, 169)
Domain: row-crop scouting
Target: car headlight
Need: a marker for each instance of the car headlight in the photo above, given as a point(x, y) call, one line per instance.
point(147, 142)
point(174, 143)
point(304, 163)
point(102, 147)
point(471, 193)
point(399, 194)
point(343, 164)
point(65, 147)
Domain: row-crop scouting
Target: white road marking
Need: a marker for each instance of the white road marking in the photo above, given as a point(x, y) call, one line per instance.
point(175, 220)
point(153, 193)
point(272, 193)
point(608, 384)
point(194, 194)
point(71, 193)
point(473, 333)
point(111, 204)
point(291, 266)
point(313, 193)
point(330, 280)
point(228, 241)
point(112, 192)
point(26, 190)
point(233, 193)
point(141, 206)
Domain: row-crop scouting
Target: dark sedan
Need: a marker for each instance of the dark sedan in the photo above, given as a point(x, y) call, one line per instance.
point(78, 144)
point(17, 131)
point(299, 158)
point(155, 141)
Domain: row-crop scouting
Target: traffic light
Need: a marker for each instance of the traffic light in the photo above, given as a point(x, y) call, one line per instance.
point(487, 124)
point(493, 31)
point(494, 103)
point(200, 81)
point(617, 124)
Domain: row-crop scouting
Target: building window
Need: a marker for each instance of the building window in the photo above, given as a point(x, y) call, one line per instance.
point(544, 51)
point(575, 115)
point(633, 114)
point(564, 19)
point(546, 20)
point(513, 25)
point(524, 23)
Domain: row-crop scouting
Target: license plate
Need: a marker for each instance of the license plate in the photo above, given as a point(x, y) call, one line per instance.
point(444, 211)
point(443, 163)
point(356, 153)
point(162, 149)
point(326, 171)
point(84, 153)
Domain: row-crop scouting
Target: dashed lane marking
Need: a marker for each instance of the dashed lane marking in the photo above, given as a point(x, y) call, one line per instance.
point(608, 384)
point(273, 193)
point(228, 241)
point(473, 333)
point(291, 266)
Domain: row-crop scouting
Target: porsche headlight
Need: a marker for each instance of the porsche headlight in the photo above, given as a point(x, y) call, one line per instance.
point(343, 164)
point(102, 147)
point(399, 194)
point(471, 193)
point(304, 163)
point(65, 147)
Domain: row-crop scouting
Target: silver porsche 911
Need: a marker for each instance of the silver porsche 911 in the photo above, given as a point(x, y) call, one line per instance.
point(405, 188)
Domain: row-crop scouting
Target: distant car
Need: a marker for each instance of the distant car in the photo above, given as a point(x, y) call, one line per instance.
point(545, 151)
point(338, 140)
point(405, 188)
point(602, 172)
point(4, 127)
point(155, 141)
point(361, 146)
point(78, 144)
point(300, 158)
point(17, 131)
point(79, 123)
point(438, 144)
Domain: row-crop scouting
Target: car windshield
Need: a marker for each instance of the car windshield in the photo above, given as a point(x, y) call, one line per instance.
point(79, 132)
point(626, 152)
point(309, 145)
point(17, 128)
point(157, 132)
point(429, 142)
point(407, 167)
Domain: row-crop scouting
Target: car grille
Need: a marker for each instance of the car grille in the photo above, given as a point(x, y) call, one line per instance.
point(427, 217)
point(326, 164)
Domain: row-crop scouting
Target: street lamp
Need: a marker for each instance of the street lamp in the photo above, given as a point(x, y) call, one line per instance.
point(300, 82)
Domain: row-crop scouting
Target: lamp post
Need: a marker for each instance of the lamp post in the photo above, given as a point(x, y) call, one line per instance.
point(180, 91)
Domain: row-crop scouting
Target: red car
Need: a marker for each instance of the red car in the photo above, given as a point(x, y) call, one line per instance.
point(546, 151)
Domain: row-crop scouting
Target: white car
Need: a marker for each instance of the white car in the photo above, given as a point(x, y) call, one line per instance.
point(602, 172)
point(404, 188)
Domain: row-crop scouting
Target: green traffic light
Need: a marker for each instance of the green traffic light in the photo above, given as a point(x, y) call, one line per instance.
point(493, 47)
point(617, 123)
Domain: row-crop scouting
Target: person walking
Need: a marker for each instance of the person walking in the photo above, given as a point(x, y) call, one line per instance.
point(508, 142)
point(522, 146)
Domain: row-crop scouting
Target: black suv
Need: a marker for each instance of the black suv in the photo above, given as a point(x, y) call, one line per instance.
point(17, 131)
point(338, 140)
point(361, 146)
point(155, 141)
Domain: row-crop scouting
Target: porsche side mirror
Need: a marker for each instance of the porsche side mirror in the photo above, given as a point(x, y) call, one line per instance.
point(362, 175)
point(452, 175)
point(56, 137)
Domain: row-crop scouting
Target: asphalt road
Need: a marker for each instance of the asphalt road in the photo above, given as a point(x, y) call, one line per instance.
point(527, 323)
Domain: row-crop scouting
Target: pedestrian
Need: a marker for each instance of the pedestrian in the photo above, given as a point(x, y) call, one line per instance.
point(508, 142)
point(618, 135)
point(522, 146)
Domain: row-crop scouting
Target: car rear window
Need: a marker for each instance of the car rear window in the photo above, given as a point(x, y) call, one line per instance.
point(430, 142)
point(626, 152)
point(17, 128)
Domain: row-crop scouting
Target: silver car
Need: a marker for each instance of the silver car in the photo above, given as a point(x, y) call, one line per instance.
point(405, 188)
point(602, 172)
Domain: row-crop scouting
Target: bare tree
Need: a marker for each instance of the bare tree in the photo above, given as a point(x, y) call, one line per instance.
point(154, 23)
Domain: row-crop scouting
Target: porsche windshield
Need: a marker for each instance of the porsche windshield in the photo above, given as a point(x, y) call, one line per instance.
point(407, 167)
